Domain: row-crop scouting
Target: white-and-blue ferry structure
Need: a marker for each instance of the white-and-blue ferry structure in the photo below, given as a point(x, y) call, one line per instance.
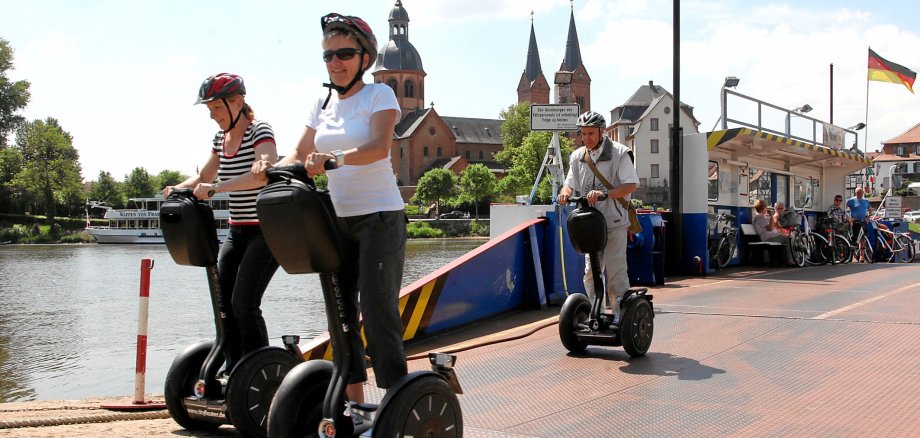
point(141, 222)
point(783, 156)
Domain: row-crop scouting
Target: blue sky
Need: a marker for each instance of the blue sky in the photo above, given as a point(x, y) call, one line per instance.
point(121, 76)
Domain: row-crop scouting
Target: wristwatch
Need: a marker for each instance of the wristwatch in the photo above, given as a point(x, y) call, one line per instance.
point(339, 158)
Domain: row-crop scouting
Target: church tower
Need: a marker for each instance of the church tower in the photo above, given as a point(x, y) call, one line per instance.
point(579, 91)
point(399, 64)
point(533, 87)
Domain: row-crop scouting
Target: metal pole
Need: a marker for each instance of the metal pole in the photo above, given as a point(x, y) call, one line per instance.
point(866, 145)
point(832, 94)
point(675, 150)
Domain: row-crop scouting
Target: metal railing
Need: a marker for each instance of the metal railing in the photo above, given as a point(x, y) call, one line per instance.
point(817, 126)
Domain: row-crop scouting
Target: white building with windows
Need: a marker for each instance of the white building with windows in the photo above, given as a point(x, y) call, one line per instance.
point(643, 123)
point(900, 156)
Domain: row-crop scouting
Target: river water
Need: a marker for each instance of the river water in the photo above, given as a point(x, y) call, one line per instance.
point(69, 314)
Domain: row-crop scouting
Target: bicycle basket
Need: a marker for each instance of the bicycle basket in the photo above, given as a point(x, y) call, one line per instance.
point(790, 219)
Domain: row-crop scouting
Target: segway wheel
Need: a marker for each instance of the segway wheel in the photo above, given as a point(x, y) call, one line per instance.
point(252, 386)
point(426, 407)
point(180, 382)
point(637, 327)
point(298, 405)
point(575, 311)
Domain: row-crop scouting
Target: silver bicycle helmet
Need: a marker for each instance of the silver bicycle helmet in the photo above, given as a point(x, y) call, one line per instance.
point(591, 118)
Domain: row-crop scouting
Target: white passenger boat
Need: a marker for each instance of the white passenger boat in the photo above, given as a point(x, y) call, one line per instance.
point(140, 223)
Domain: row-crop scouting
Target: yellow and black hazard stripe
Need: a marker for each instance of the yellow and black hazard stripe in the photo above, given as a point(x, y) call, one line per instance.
point(415, 309)
point(714, 139)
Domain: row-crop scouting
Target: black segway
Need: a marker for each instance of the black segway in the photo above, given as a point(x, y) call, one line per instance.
point(583, 323)
point(204, 386)
point(301, 229)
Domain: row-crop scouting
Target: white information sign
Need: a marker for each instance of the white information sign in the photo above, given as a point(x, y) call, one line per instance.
point(558, 117)
point(893, 207)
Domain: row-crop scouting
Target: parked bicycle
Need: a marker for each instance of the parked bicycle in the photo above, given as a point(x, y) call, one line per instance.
point(806, 244)
point(860, 246)
point(839, 251)
point(899, 247)
point(722, 248)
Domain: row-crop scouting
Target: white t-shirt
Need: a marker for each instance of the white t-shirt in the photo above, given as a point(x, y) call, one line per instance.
point(346, 124)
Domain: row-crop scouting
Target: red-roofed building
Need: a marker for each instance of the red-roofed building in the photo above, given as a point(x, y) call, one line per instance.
point(901, 156)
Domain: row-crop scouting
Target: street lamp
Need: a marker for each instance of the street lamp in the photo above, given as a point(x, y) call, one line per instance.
point(857, 126)
point(730, 82)
point(802, 109)
point(562, 78)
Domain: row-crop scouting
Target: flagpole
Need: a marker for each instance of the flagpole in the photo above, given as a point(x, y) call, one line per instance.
point(866, 145)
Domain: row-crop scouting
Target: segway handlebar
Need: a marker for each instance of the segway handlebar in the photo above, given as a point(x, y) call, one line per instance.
point(294, 171)
point(583, 200)
point(182, 193)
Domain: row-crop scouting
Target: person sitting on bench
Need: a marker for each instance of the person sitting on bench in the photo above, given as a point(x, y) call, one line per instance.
point(766, 229)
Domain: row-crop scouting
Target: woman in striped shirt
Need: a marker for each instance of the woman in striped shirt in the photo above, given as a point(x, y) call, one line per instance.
point(245, 263)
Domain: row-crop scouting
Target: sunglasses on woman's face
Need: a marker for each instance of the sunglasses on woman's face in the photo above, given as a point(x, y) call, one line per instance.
point(343, 54)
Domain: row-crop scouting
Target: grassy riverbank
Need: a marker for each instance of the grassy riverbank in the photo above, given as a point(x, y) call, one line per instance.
point(20, 228)
point(32, 229)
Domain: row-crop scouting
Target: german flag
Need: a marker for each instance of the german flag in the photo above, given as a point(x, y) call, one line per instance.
point(883, 70)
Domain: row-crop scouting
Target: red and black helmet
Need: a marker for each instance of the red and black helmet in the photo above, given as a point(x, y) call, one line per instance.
point(355, 26)
point(220, 86)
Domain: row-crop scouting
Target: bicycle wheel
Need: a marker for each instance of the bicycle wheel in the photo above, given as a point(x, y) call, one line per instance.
point(827, 251)
point(799, 250)
point(723, 252)
point(904, 249)
point(864, 250)
point(842, 252)
point(816, 244)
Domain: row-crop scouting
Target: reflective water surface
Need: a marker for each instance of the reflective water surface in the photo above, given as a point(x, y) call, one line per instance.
point(69, 314)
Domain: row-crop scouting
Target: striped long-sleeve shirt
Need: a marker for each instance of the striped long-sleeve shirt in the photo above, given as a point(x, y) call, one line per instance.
point(243, 202)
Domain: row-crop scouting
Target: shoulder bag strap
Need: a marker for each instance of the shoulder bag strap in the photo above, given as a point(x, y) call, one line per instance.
point(603, 180)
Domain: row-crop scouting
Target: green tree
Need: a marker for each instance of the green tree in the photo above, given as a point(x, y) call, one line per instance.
point(321, 182)
point(139, 184)
point(477, 183)
point(107, 189)
point(169, 178)
point(10, 165)
point(51, 166)
point(526, 162)
point(515, 127)
point(13, 95)
point(435, 185)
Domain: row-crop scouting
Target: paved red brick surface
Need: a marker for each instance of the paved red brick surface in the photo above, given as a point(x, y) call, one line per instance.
point(820, 351)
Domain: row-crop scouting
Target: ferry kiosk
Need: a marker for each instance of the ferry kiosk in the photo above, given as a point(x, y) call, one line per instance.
point(762, 151)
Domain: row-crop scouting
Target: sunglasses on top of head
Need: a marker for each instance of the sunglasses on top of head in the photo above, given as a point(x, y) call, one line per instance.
point(343, 54)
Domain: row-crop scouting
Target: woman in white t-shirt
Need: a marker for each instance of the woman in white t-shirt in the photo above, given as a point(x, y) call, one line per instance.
point(354, 126)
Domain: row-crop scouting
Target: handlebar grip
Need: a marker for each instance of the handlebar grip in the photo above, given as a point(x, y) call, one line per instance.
point(182, 193)
point(584, 199)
